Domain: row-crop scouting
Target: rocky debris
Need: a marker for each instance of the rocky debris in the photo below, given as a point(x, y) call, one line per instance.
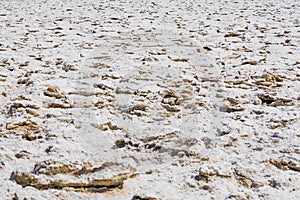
point(181, 59)
point(23, 81)
point(139, 110)
point(167, 136)
point(69, 67)
point(231, 105)
point(206, 171)
point(285, 165)
point(108, 126)
point(244, 179)
point(61, 105)
point(120, 143)
point(171, 144)
point(21, 106)
point(83, 178)
point(158, 102)
point(31, 135)
point(137, 197)
point(171, 98)
point(22, 125)
point(170, 108)
point(22, 154)
point(24, 104)
point(232, 34)
point(273, 101)
point(265, 81)
point(242, 176)
point(54, 91)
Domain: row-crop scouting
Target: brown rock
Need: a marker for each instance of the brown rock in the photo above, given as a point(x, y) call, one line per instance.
point(120, 143)
point(104, 178)
point(30, 135)
point(22, 154)
point(54, 91)
point(231, 105)
point(58, 105)
point(180, 59)
point(232, 34)
point(23, 125)
point(137, 197)
point(170, 108)
point(23, 81)
point(107, 126)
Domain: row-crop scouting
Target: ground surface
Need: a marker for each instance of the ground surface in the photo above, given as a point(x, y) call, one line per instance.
point(149, 99)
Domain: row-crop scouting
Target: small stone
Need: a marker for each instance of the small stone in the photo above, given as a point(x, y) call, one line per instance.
point(58, 105)
point(232, 34)
point(22, 154)
point(30, 135)
point(54, 91)
point(137, 197)
point(170, 108)
point(231, 105)
point(180, 59)
point(108, 126)
point(23, 81)
point(120, 143)
point(15, 197)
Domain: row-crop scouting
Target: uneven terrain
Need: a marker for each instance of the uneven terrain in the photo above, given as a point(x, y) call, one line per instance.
point(149, 99)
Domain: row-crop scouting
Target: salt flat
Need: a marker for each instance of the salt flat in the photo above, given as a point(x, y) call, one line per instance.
point(149, 99)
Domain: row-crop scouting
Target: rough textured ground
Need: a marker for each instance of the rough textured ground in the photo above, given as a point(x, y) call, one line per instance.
point(149, 99)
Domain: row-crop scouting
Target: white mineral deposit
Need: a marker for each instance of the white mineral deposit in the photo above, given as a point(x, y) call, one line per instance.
point(149, 100)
